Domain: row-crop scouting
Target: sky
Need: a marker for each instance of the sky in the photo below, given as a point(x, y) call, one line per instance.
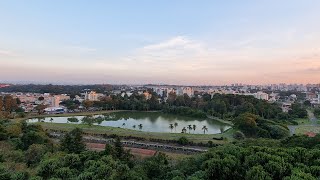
point(203, 42)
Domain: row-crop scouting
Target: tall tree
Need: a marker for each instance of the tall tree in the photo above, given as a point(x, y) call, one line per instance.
point(189, 127)
point(171, 127)
point(72, 142)
point(175, 126)
point(7, 103)
point(204, 128)
point(194, 128)
point(184, 130)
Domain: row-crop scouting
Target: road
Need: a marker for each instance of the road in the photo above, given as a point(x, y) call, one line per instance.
point(312, 117)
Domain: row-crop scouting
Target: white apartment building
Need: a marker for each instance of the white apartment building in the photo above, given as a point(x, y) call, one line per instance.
point(261, 95)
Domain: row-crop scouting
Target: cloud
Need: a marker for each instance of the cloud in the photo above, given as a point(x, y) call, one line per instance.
point(7, 53)
point(180, 53)
point(184, 60)
point(312, 70)
point(178, 42)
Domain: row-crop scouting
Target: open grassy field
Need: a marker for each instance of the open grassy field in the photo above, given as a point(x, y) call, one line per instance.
point(303, 121)
point(135, 133)
point(304, 129)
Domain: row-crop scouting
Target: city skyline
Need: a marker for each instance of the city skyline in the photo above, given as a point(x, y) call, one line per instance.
point(192, 43)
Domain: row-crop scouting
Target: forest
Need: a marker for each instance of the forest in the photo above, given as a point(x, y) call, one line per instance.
point(26, 152)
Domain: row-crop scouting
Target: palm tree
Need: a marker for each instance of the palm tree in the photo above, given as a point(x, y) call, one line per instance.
point(171, 127)
point(189, 127)
point(175, 126)
point(204, 128)
point(184, 130)
point(140, 126)
point(221, 129)
point(194, 128)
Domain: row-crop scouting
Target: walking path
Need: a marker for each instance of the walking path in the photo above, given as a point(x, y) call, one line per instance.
point(141, 145)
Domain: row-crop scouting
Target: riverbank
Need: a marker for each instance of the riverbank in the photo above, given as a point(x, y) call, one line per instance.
point(220, 120)
point(85, 113)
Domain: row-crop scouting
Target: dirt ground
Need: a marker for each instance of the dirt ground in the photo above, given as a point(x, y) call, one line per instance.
point(134, 151)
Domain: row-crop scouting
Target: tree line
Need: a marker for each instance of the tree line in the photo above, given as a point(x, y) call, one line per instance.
point(224, 106)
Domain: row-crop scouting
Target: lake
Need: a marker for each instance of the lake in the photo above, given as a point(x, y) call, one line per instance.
point(143, 121)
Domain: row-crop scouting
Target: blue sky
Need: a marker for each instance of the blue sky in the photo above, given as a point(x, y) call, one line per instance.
point(168, 41)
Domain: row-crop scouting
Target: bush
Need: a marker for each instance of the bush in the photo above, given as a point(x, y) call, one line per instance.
point(183, 141)
point(239, 135)
point(21, 115)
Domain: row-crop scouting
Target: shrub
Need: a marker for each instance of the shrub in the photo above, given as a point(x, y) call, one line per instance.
point(183, 141)
point(239, 135)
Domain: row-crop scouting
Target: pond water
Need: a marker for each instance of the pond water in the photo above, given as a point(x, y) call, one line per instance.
point(144, 121)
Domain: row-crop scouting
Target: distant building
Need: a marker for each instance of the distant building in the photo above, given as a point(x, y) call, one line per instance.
point(63, 97)
point(4, 85)
point(188, 90)
point(286, 107)
point(92, 96)
point(55, 101)
point(147, 95)
point(261, 95)
point(310, 96)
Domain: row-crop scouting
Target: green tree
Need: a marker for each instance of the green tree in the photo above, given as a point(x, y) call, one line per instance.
point(171, 127)
point(189, 127)
point(183, 141)
point(257, 173)
point(184, 130)
point(246, 123)
point(35, 153)
point(175, 126)
point(204, 128)
point(194, 127)
point(72, 142)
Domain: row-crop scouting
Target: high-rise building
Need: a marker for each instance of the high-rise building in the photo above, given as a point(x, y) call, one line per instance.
point(55, 101)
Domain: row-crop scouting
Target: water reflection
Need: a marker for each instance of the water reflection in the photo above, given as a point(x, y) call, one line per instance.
point(151, 122)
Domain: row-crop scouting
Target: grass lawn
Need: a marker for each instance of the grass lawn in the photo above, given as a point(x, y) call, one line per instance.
point(303, 121)
point(149, 135)
point(305, 129)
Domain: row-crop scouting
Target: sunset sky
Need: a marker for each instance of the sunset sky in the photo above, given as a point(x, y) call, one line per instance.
point(203, 42)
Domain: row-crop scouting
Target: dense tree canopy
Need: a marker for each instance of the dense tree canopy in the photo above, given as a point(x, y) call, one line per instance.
point(32, 155)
